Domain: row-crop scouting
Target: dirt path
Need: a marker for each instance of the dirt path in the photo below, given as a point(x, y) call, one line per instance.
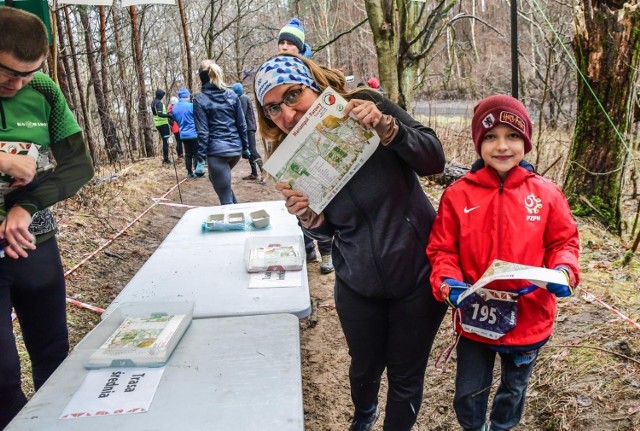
point(587, 377)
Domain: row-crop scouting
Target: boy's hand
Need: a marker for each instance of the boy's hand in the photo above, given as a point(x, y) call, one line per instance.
point(560, 290)
point(451, 290)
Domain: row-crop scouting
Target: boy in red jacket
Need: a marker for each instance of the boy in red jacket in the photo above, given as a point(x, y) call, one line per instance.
point(500, 210)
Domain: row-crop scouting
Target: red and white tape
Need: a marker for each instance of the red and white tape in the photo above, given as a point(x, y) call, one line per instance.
point(156, 201)
point(591, 297)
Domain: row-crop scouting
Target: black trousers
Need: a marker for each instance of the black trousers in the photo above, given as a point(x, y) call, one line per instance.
point(165, 134)
point(396, 334)
point(190, 153)
point(35, 287)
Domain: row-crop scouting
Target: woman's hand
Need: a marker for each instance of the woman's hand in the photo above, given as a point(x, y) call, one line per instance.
point(295, 201)
point(365, 111)
point(298, 204)
point(369, 116)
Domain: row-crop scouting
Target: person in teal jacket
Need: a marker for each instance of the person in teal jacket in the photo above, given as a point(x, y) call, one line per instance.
point(33, 111)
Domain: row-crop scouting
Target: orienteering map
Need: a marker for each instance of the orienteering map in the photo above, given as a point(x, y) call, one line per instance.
point(323, 151)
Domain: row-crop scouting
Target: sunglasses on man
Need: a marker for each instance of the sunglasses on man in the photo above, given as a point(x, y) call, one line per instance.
point(16, 74)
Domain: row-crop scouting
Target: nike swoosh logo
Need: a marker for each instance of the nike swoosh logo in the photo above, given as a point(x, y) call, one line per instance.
point(468, 210)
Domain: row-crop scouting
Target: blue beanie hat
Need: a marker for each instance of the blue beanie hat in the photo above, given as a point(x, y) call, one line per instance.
point(237, 87)
point(183, 93)
point(279, 70)
point(294, 33)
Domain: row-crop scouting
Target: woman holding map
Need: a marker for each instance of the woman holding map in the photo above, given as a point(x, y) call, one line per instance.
point(380, 221)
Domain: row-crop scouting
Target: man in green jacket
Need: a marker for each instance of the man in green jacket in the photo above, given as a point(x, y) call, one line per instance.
point(33, 115)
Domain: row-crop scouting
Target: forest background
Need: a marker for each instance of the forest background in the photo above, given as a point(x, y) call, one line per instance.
point(576, 64)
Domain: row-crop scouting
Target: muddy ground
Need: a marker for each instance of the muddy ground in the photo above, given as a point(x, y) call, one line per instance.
point(588, 376)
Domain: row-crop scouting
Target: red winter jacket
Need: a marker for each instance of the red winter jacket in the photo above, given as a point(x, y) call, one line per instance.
point(175, 128)
point(524, 220)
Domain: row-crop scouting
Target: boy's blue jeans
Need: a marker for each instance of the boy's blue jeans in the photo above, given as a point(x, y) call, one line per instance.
point(473, 383)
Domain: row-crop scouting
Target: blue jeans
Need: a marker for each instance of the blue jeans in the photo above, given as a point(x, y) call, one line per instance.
point(474, 377)
point(35, 287)
point(220, 177)
point(324, 246)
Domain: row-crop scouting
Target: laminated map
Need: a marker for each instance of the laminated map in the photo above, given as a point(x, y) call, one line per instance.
point(503, 270)
point(323, 151)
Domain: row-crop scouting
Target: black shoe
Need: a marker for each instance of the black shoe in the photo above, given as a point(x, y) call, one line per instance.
point(365, 424)
point(311, 256)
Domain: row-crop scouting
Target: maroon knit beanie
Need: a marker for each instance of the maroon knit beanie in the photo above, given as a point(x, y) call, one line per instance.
point(500, 109)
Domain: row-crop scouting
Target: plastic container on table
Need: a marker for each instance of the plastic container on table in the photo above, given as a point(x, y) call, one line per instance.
point(137, 334)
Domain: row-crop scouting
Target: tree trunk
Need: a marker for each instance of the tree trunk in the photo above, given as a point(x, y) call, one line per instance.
point(143, 111)
point(132, 146)
point(61, 72)
point(607, 47)
point(104, 66)
point(88, 135)
point(111, 144)
point(187, 46)
point(404, 35)
point(381, 15)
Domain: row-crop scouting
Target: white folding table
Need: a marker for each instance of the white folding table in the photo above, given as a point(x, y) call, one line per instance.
point(208, 268)
point(235, 373)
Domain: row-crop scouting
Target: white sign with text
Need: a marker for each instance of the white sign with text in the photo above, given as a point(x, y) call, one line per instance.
point(114, 391)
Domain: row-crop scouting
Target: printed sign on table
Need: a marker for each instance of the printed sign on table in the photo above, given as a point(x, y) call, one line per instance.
point(114, 391)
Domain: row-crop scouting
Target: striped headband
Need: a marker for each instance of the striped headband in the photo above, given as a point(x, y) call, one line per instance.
point(282, 70)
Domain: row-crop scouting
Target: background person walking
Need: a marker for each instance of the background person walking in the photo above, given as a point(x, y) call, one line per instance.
point(222, 129)
point(161, 121)
point(183, 116)
point(255, 160)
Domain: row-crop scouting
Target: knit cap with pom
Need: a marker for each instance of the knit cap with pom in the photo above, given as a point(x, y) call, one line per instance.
point(294, 33)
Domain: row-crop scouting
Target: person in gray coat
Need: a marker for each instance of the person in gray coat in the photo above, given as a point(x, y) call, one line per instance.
point(221, 128)
point(380, 221)
point(255, 161)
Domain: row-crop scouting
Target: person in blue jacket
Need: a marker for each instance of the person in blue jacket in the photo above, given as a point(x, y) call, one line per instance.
point(221, 128)
point(183, 115)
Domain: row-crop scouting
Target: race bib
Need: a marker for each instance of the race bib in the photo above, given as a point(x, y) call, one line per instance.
point(489, 313)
